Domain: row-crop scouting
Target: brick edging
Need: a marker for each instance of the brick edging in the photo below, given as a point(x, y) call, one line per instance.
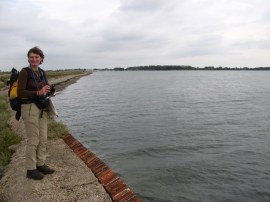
point(116, 188)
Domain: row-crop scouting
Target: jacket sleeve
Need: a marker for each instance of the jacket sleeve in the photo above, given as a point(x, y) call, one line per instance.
point(22, 86)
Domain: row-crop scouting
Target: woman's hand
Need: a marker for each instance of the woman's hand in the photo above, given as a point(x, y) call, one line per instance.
point(44, 90)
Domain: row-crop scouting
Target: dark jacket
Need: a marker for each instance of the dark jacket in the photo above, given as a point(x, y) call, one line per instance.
point(26, 83)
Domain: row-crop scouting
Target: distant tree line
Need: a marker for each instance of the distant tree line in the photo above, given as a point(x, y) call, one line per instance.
point(178, 67)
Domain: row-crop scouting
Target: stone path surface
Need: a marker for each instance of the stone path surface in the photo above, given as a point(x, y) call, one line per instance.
point(72, 181)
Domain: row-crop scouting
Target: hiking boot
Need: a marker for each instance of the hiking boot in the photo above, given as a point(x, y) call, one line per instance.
point(34, 174)
point(45, 169)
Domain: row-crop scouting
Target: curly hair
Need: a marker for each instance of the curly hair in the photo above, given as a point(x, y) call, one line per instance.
point(38, 51)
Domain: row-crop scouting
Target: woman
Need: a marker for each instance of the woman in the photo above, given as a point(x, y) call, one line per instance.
point(32, 86)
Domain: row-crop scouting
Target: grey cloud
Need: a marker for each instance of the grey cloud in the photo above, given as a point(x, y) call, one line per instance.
point(202, 46)
point(121, 35)
point(126, 38)
point(102, 46)
point(124, 31)
point(193, 52)
point(9, 28)
point(253, 44)
point(265, 17)
point(207, 40)
point(142, 5)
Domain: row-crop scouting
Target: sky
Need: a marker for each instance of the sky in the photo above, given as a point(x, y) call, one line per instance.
point(124, 33)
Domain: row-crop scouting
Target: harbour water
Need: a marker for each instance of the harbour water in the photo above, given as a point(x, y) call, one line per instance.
point(177, 135)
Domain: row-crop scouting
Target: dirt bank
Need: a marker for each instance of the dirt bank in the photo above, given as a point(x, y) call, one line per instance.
point(72, 181)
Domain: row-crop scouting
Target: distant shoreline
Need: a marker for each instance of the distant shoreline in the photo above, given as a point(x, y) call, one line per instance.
point(181, 68)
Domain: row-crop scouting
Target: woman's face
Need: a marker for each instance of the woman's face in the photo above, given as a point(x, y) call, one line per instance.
point(34, 59)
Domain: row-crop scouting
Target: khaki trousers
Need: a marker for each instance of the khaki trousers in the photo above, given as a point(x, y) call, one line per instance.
point(36, 133)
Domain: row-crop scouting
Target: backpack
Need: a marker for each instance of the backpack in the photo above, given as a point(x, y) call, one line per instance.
point(14, 100)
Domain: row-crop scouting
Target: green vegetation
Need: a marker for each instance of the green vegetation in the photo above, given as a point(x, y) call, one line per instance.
point(7, 137)
point(61, 73)
point(56, 129)
point(3, 79)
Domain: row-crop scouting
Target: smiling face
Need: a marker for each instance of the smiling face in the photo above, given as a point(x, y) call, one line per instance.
point(34, 60)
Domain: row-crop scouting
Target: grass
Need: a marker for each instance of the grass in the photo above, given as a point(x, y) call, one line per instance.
point(61, 73)
point(56, 129)
point(3, 79)
point(7, 137)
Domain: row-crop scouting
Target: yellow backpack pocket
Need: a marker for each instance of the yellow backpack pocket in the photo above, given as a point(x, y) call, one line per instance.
point(13, 90)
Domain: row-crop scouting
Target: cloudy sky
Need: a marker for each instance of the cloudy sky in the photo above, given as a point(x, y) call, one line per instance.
point(123, 33)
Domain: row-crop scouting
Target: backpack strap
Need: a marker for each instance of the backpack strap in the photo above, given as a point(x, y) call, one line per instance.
point(41, 71)
point(35, 78)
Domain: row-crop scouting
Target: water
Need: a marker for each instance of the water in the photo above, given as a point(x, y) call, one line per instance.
point(177, 135)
